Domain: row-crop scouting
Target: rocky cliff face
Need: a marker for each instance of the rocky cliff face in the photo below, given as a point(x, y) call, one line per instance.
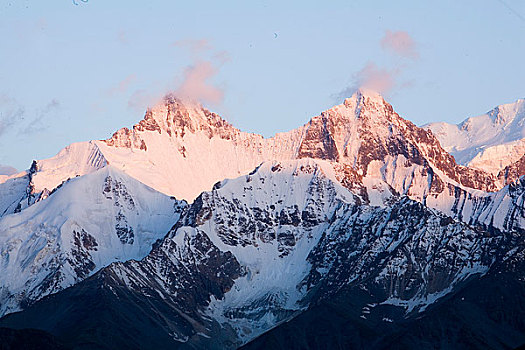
point(512, 172)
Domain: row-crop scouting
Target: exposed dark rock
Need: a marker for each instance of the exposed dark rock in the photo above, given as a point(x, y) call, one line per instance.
point(513, 171)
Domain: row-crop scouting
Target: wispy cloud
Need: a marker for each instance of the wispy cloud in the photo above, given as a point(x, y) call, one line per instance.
point(54, 104)
point(40, 122)
point(197, 85)
point(9, 118)
point(380, 79)
point(370, 77)
point(11, 113)
point(15, 118)
point(400, 43)
point(194, 84)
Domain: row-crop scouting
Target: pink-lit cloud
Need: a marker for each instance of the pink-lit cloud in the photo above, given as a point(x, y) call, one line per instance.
point(373, 78)
point(197, 85)
point(197, 81)
point(400, 43)
point(193, 85)
point(380, 79)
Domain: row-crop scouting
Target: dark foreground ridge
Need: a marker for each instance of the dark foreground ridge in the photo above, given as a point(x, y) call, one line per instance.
point(486, 314)
point(28, 339)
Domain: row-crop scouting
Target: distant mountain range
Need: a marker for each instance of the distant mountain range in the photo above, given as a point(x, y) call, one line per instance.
point(493, 142)
point(356, 230)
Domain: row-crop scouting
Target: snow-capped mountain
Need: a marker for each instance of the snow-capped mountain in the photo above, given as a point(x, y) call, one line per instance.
point(490, 142)
point(181, 150)
point(358, 200)
point(262, 248)
point(90, 222)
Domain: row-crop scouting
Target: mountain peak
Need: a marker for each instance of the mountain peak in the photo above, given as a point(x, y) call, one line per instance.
point(490, 141)
point(368, 93)
point(508, 112)
point(366, 97)
point(174, 117)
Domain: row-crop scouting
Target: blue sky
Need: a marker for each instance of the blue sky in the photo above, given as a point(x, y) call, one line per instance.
point(78, 72)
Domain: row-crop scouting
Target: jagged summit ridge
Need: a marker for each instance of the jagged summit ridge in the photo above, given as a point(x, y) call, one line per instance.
point(341, 202)
point(177, 117)
point(174, 117)
point(507, 113)
point(182, 149)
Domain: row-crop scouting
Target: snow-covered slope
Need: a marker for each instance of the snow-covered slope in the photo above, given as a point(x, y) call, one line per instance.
point(490, 141)
point(504, 210)
point(13, 190)
point(90, 222)
point(75, 160)
point(19, 191)
point(269, 221)
point(357, 197)
point(300, 236)
point(296, 235)
point(260, 248)
point(181, 150)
